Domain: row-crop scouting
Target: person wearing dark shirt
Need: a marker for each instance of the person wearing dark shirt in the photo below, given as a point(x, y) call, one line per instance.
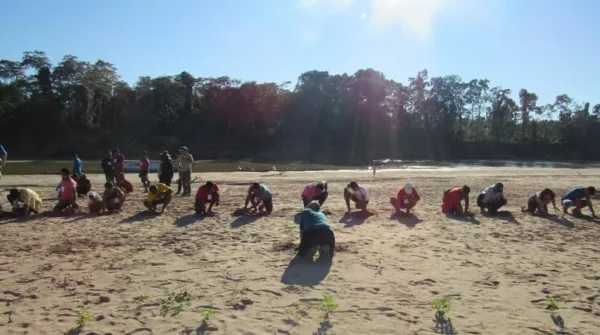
point(579, 197)
point(165, 171)
point(207, 193)
point(315, 234)
point(107, 167)
point(84, 185)
point(119, 165)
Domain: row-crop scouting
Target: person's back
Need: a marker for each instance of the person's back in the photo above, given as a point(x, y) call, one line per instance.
point(574, 194)
point(313, 220)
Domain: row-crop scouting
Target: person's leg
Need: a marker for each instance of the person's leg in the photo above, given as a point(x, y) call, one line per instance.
point(308, 246)
point(95, 207)
point(305, 201)
point(347, 197)
point(480, 203)
point(150, 205)
point(214, 201)
point(395, 204)
point(326, 242)
point(566, 204)
point(188, 183)
point(410, 206)
point(200, 206)
point(532, 204)
point(179, 185)
point(61, 206)
point(268, 203)
point(166, 201)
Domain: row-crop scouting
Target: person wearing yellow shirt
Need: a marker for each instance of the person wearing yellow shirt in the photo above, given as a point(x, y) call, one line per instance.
point(158, 194)
point(32, 203)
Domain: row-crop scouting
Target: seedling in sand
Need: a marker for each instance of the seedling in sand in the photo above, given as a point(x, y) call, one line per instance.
point(442, 306)
point(328, 306)
point(175, 303)
point(551, 304)
point(206, 315)
point(141, 298)
point(84, 316)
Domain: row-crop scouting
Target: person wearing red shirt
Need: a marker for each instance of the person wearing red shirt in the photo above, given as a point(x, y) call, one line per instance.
point(208, 192)
point(451, 202)
point(144, 168)
point(406, 199)
point(119, 165)
point(67, 201)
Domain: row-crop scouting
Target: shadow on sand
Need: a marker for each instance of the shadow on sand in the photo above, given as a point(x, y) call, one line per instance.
point(355, 218)
point(305, 272)
point(244, 219)
point(188, 220)
point(443, 325)
point(141, 216)
point(560, 220)
point(470, 219)
point(409, 221)
point(501, 216)
point(323, 328)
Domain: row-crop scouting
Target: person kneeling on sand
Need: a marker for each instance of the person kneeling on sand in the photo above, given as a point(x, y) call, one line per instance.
point(207, 193)
point(315, 234)
point(260, 197)
point(492, 198)
point(538, 202)
point(406, 199)
point(113, 198)
point(451, 201)
point(67, 201)
point(315, 192)
point(358, 194)
point(31, 201)
point(94, 202)
point(158, 194)
point(579, 197)
point(84, 185)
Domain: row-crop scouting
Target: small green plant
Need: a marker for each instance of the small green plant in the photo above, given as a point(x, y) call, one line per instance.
point(84, 316)
point(442, 306)
point(328, 306)
point(206, 315)
point(551, 304)
point(141, 298)
point(175, 303)
point(236, 292)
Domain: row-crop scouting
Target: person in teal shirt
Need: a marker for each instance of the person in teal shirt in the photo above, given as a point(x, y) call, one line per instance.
point(315, 234)
point(260, 197)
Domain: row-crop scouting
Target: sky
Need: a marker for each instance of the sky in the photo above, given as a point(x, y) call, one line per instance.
point(549, 47)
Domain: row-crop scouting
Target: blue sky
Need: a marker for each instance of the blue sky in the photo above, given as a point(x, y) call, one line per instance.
point(547, 46)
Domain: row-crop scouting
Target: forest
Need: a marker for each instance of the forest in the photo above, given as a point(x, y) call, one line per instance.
point(51, 111)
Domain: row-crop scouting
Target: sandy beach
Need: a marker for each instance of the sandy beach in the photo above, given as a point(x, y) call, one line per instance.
point(497, 271)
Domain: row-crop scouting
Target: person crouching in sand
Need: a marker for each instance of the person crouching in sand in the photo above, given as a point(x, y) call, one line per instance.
point(358, 194)
point(207, 193)
point(67, 201)
point(113, 198)
point(451, 201)
point(579, 198)
point(315, 234)
point(315, 192)
point(84, 185)
point(158, 194)
point(537, 204)
point(94, 202)
point(406, 199)
point(492, 198)
point(31, 201)
point(260, 197)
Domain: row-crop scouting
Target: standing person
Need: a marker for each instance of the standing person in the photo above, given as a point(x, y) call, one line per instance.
point(492, 198)
point(185, 161)
point(406, 199)
point(451, 201)
point(179, 185)
point(358, 194)
point(113, 198)
point(3, 158)
point(158, 194)
point(539, 201)
point(207, 193)
point(32, 203)
point(260, 197)
point(144, 169)
point(315, 234)
point(579, 197)
point(77, 165)
point(119, 165)
point(107, 167)
point(68, 193)
point(315, 192)
point(165, 170)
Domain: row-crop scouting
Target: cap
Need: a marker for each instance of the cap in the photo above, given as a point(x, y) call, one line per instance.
point(408, 188)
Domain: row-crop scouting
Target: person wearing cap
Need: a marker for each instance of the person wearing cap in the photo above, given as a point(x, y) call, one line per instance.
point(207, 193)
point(158, 194)
point(406, 199)
point(260, 197)
point(165, 169)
point(31, 201)
point(144, 169)
point(358, 194)
point(185, 161)
point(316, 191)
point(451, 201)
point(113, 198)
point(315, 234)
point(119, 165)
point(492, 198)
point(107, 167)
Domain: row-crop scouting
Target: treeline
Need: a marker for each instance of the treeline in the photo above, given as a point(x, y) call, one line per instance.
point(53, 110)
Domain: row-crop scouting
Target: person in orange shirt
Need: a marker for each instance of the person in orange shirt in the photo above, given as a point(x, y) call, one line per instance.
point(207, 193)
point(451, 202)
point(406, 199)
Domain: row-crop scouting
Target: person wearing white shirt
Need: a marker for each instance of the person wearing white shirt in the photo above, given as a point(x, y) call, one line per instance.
point(358, 194)
point(492, 198)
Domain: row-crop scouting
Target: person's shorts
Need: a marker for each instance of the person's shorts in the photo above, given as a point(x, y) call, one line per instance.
point(268, 203)
point(143, 174)
point(532, 204)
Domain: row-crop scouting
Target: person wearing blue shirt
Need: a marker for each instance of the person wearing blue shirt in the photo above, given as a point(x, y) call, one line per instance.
point(315, 234)
point(77, 165)
point(580, 198)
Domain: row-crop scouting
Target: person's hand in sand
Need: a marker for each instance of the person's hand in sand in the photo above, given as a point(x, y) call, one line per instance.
point(158, 194)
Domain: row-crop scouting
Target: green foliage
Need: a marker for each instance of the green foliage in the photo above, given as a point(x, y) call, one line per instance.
point(206, 315)
point(141, 298)
point(551, 304)
point(328, 306)
point(84, 316)
point(175, 303)
point(442, 306)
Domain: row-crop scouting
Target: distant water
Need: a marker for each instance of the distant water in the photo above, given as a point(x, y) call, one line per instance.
point(387, 164)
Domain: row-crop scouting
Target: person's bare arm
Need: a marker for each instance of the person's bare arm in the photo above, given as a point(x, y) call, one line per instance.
point(589, 200)
point(466, 204)
point(554, 204)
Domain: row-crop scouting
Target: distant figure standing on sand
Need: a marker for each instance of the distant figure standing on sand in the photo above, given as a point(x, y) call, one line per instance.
point(165, 170)
point(579, 197)
point(32, 203)
point(144, 169)
point(451, 201)
point(185, 161)
point(77, 165)
point(316, 191)
point(207, 193)
point(538, 202)
point(260, 197)
point(406, 199)
point(119, 165)
point(3, 158)
point(67, 201)
point(358, 194)
point(107, 166)
point(492, 198)
point(158, 194)
point(315, 234)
